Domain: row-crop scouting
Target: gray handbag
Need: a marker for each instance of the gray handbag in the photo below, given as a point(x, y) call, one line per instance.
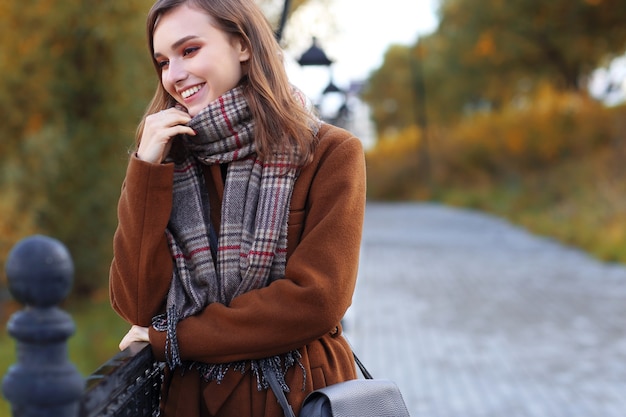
point(367, 397)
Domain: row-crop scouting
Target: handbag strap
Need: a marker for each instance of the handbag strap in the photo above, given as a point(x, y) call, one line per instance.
point(364, 371)
point(270, 376)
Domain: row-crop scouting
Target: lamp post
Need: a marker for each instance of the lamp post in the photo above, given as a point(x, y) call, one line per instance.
point(316, 57)
point(283, 20)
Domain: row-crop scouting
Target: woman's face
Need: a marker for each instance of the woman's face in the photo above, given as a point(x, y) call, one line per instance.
point(198, 62)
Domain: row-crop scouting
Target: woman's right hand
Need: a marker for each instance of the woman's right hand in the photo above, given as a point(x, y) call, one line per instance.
point(158, 131)
point(135, 334)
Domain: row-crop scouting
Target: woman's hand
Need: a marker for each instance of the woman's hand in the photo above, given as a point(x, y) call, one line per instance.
point(158, 131)
point(135, 334)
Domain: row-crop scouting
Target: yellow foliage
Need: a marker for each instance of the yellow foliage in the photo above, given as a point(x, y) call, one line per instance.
point(486, 45)
point(553, 164)
point(529, 136)
point(532, 136)
point(514, 139)
point(402, 142)
point(34, 124)
point(393, 163)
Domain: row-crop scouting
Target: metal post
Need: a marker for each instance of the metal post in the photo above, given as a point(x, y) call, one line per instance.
point(283, 20)
point(42, 382)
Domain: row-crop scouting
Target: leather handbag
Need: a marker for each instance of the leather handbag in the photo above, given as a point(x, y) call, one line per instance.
point(367, 397)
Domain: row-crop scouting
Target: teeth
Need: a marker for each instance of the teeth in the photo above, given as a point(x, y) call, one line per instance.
point(191, 91)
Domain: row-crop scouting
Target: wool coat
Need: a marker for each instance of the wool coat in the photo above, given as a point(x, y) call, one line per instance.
point(302, 311)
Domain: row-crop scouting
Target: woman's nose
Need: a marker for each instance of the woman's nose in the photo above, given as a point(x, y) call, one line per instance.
point(176, 72)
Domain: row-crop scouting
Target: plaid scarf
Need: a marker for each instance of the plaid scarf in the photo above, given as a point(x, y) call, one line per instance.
point(251, 249)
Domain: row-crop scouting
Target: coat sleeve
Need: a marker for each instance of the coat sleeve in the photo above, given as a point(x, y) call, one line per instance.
point(320, 273)
point(141, 269)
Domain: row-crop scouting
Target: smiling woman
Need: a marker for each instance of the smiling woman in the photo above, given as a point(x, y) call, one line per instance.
point(198, 61)
point(235, 193)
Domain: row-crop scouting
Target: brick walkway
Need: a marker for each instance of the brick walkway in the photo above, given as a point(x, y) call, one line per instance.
point(473, 317)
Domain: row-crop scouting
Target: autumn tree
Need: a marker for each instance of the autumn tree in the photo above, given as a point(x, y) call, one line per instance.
point(561, 41)
point(485, 53)
point(74, 89)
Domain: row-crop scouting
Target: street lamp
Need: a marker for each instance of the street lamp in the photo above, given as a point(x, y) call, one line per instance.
point(314, 56)
point(332, 88)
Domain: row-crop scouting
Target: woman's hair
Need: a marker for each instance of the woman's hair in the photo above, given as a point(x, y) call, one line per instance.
point(282, 123)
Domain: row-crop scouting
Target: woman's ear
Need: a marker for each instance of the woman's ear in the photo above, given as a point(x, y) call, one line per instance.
point(244, 50)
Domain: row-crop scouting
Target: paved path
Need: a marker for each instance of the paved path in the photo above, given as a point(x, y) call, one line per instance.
point(473, 317)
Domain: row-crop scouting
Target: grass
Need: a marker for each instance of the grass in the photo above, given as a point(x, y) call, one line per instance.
point(98, 332)
point(580, 203)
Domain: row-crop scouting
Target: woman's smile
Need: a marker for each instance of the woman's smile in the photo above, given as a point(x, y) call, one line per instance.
point(189, 93)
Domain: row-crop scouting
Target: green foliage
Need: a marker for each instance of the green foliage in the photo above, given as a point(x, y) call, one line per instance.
point(393, 105)
point(78, 79)
point(559, 40)
point(579, 202)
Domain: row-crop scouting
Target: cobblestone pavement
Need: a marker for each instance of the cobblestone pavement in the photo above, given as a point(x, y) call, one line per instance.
point(474, 317)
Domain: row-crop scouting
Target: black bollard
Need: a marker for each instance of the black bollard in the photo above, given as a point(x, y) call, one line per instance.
point(43, 382)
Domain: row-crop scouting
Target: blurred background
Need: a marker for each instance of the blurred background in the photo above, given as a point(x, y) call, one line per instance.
point(515, 107)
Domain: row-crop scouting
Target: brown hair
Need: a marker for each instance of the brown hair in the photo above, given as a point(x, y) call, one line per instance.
point(281, 122)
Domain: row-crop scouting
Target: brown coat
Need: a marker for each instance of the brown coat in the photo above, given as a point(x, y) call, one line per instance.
point(300, 312)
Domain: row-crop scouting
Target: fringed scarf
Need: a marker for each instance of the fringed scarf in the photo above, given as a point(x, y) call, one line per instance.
point(252, 245)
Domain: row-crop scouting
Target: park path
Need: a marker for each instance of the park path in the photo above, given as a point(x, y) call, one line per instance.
point(474, 317)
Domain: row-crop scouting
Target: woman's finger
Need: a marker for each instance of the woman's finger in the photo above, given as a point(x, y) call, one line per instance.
point(159, 129)
point(135, 334)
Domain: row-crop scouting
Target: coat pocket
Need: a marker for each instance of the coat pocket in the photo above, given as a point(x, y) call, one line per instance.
point(318, 378)
point(295, 225)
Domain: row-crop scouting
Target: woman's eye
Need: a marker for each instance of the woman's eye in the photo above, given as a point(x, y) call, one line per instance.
point(190, 50)
point(162, 64)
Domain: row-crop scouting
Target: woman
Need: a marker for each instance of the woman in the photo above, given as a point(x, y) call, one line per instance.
point(240, 220)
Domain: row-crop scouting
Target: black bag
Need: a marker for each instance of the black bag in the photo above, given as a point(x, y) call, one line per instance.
point(367, 397)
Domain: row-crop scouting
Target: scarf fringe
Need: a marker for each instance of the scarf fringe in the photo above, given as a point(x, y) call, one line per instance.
point(167, 323)
point(278, 365)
